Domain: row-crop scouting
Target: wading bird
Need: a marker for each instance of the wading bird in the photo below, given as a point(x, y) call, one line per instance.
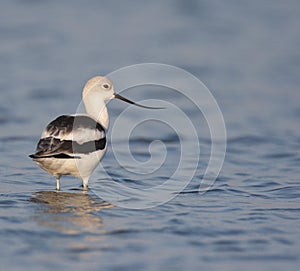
point(75, 144)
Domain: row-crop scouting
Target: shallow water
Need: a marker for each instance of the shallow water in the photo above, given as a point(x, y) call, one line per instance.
point(245, 52)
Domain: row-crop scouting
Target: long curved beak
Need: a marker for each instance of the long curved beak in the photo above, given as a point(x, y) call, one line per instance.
point(117, 96)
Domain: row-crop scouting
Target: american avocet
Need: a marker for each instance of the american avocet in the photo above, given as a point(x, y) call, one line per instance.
point(75, 144)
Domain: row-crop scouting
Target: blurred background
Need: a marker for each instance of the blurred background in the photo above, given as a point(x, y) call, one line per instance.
point(245, 52)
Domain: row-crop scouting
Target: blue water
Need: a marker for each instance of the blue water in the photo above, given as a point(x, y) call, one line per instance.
point(247, 54)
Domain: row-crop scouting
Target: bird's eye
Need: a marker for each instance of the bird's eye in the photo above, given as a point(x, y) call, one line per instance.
point(105, 86)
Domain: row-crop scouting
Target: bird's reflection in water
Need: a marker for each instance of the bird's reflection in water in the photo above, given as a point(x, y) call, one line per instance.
point(70, 213)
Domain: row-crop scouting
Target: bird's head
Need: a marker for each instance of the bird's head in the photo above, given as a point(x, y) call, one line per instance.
point(101, 88)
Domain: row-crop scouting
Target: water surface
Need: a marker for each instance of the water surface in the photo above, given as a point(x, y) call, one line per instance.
point(245, 52)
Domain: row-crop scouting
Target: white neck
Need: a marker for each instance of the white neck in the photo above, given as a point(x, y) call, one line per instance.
point(96, 110)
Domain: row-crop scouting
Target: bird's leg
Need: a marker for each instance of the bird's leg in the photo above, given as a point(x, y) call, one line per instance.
point(85, 184)
point(58, 183)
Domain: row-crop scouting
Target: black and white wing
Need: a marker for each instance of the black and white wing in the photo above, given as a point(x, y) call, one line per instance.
point(70, 136)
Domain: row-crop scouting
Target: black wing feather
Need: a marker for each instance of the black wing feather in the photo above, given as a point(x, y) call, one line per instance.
point(65, 124)
point(51, 146)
